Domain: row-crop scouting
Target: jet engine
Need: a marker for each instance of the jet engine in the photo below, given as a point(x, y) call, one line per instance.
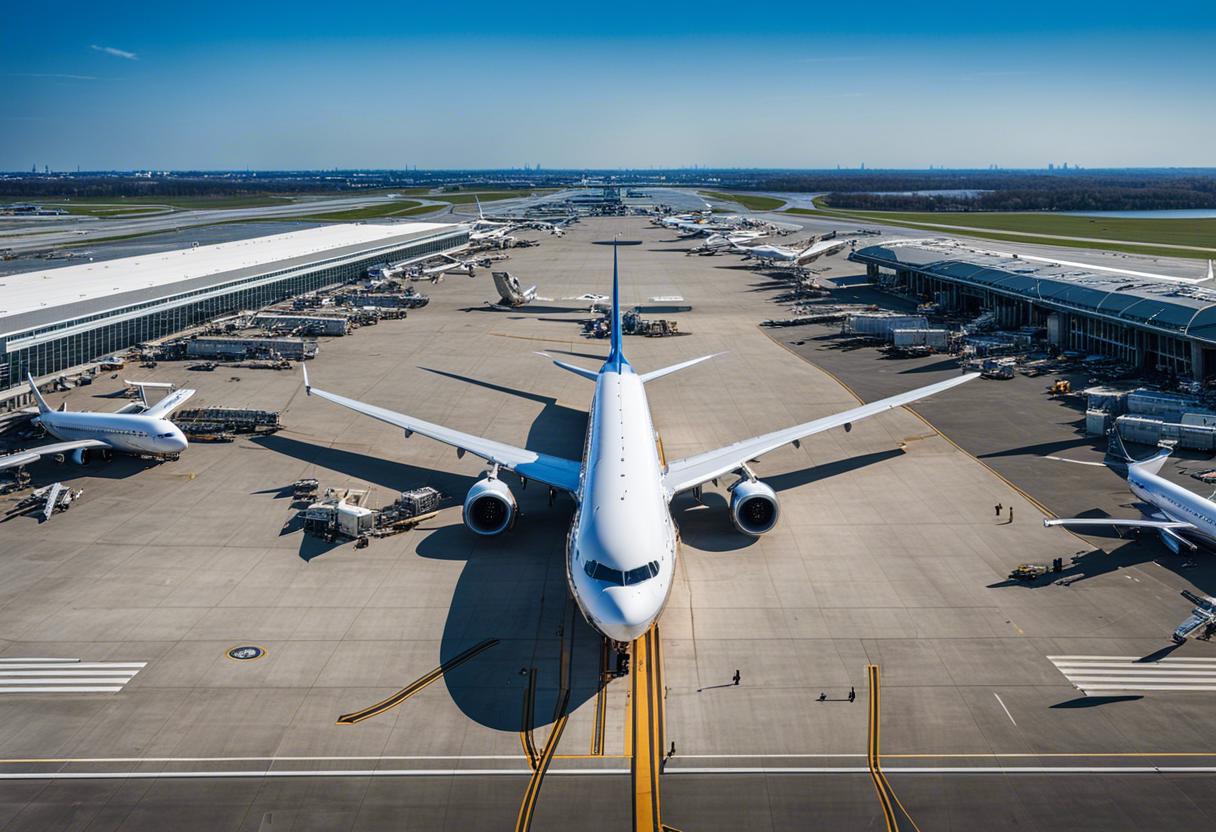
point(80, 456)
point(753, 507)
point(489, 508)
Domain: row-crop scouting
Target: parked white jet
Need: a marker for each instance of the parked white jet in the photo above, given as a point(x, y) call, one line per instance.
point(621, 551)
point(772, 255)
point(1178, 515)
point(136, 429)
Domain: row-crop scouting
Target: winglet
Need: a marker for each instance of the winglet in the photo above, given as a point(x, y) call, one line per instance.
point(43, 407)
point(307, 386)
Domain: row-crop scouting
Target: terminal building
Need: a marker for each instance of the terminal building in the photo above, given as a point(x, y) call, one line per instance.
point(1151, 322)
point(59, 318)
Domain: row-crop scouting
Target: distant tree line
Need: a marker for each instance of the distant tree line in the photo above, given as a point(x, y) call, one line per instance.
point(1071, 199)
point(991, 190)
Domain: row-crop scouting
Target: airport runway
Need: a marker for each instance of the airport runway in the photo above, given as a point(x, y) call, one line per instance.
point(888, 554)
point(30, 235)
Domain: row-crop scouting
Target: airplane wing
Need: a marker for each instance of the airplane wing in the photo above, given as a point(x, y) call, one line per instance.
point(683, 474)
point(168, 404)
point(1164, 525)
point(34, 454)
point(1168, 528)
point(551, 470)
point(816, 250)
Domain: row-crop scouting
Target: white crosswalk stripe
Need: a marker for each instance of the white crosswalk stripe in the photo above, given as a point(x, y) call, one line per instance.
point(45, 675)
point(1100, 674)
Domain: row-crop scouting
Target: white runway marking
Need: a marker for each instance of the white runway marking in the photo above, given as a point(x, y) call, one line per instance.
point(585, 772)
point(1091, 674)
point(1003, 708)
point(42, 675)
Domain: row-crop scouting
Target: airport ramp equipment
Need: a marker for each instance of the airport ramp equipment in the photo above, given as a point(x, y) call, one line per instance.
point(1200, 617)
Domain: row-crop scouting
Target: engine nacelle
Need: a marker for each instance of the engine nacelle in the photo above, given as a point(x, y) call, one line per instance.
point(80, 456)
point(489, 508)
point(753, 507)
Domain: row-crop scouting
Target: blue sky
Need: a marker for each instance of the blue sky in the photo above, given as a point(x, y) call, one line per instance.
point(277, 85)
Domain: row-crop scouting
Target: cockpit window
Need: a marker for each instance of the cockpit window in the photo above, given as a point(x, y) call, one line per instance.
point(598, 572)
point(642, 573)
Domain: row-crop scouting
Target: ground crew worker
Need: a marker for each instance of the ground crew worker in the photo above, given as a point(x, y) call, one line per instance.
point(852, 693)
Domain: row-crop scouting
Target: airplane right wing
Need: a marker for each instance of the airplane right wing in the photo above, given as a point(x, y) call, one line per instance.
point(34, 454)
point(168, 404)
point(551, 470)
point(683, 474)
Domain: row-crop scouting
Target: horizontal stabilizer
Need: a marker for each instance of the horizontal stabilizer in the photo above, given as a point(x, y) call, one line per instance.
point(591, 375)
point(653, 374)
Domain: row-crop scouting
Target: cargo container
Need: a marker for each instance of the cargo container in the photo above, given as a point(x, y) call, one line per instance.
point(879, 325)
point(1097, 422)
point(935, 338)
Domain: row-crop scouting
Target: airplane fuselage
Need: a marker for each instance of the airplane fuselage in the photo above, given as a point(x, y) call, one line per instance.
point(621, 551)
point(129, 433)
point(1176, 503)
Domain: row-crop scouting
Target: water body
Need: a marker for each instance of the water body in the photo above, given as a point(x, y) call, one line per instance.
point(1162, 214)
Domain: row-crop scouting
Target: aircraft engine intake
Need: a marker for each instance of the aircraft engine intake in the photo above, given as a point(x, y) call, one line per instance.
point(80, 456)
point(489, 508)
point(753, 507)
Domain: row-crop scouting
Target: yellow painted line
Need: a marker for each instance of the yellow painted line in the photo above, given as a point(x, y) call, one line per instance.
point(527, 808)
point(872, 756)
point(525, 734)
point(601, 701)
point(886, 794)
point(647, 733)
point(415, 686)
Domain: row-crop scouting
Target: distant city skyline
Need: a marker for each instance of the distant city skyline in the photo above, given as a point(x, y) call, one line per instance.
point(381, 86)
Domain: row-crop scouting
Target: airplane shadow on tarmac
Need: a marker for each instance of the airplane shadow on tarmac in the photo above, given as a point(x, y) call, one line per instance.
point(512, 588)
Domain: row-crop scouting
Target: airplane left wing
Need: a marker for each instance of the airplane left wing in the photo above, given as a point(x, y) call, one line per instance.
point(551, 470)
point(34, 454)
point(683, 474)
point(168, 404)
point(1168, 528)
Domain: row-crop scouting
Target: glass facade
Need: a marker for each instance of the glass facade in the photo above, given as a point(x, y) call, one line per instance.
point(53, 347)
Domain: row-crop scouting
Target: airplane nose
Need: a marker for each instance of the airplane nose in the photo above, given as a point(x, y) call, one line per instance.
point(178, 442)
point(626, 614)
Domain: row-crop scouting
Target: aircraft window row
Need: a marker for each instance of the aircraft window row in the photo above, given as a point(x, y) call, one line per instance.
point(598, 572)
point(108, 430)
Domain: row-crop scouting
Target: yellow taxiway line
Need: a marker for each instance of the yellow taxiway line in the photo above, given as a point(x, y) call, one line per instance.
point(415, 686)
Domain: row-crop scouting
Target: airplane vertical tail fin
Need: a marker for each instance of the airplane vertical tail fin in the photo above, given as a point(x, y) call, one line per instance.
point(481, 215)
point(43, 407)
point(616, 353)
point(1152, 464)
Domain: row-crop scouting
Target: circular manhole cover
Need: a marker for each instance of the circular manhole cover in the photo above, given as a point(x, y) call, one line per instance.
point(246, 652)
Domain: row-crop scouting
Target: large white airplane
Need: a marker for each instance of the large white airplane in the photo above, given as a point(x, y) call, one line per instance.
point(135, 429)
point(621, 550)
point(1178, 515)
point(769, 254)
